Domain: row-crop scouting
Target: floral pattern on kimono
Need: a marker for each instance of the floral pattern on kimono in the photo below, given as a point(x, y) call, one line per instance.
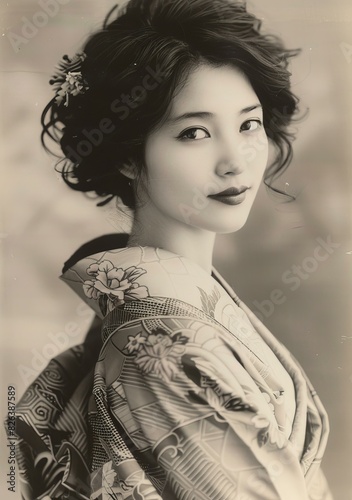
point(185, 396)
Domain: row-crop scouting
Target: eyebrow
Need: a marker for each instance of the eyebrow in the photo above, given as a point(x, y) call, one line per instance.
point(207, 114)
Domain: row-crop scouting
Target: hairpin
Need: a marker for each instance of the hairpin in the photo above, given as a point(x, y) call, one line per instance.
point(68, 79)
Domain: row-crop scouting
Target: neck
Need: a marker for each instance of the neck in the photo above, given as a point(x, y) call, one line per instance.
point(192, 243)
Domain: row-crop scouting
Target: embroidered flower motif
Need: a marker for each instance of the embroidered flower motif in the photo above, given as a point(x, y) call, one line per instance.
point(160, 355)
point(260, 422)
point(268, 400)
point(108, 478)
point(234, 403)
point(216, 401)
point(268, 432)
point(114, 284)
point(68, 79)
point(135, 343)
point(209, 301)
point(221, 403)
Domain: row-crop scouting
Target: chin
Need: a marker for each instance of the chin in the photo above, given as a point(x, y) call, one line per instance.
point(229, 230)
point(224, 226)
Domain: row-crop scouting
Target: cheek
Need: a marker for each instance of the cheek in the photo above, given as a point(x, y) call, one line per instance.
point(256, 153)
point(171, 175)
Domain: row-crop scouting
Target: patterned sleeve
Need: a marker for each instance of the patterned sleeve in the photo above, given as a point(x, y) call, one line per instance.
point(177, 416)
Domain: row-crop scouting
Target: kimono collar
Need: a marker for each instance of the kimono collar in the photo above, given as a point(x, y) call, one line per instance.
point(109, 278)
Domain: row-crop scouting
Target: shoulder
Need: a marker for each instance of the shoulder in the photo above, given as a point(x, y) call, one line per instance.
point(99, 244)
point(116, 276)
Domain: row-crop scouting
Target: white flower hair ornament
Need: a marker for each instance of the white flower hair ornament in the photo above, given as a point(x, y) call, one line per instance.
point(68, 79)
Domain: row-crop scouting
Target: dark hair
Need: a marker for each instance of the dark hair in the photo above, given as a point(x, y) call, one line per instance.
point(164, 39)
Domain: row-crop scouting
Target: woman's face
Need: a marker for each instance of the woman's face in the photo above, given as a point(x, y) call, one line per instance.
point(212, 141)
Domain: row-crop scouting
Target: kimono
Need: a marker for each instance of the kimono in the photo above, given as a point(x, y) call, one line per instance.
point(178, 392)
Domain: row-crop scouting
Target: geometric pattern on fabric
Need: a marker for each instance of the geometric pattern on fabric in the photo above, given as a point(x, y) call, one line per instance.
point(180, 394)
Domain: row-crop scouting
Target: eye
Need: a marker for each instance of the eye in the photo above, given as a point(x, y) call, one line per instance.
point(251, 125)
point(193, 134)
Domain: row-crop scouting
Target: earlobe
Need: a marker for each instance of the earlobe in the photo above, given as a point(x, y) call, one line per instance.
point(129, 170)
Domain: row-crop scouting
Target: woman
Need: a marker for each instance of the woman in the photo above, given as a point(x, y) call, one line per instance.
point(179, 391)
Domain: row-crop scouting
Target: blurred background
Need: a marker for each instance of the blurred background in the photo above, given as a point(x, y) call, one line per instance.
point(43, 222)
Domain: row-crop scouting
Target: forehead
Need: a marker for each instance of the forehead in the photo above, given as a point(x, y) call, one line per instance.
point(210, 88)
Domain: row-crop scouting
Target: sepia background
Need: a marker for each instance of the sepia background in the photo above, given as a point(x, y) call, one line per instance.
point(43, 222)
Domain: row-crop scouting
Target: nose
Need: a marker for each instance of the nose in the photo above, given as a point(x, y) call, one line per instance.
point(229, 168)
point(230, 160)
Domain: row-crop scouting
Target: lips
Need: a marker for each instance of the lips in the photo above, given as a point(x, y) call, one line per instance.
point(231, 196)
point(233, 191)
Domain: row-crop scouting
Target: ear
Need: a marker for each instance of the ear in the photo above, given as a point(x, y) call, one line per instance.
point(129, 170)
